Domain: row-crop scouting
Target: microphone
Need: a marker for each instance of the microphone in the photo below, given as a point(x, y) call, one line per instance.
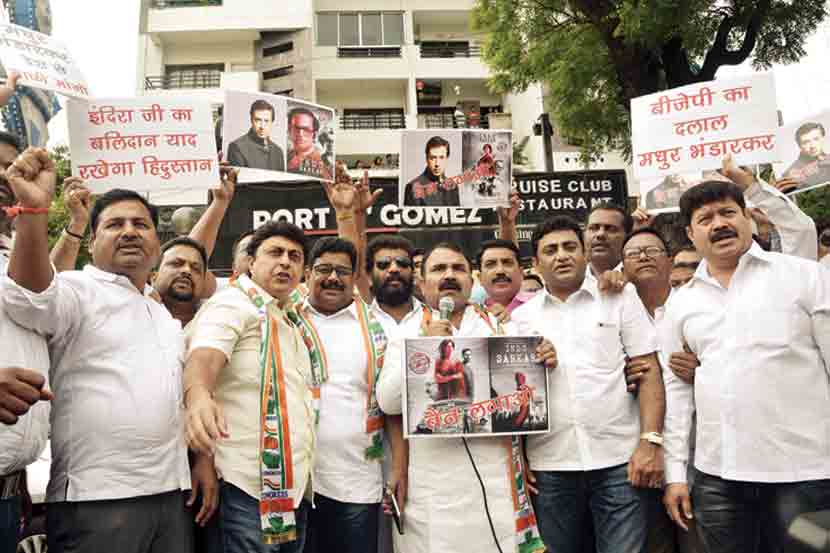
point(445, 307)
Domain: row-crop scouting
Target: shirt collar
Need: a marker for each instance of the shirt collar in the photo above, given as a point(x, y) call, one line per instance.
point(754, 252)
point(350, 309)
point(121, 280)
point(417, 306)
point(589, 286)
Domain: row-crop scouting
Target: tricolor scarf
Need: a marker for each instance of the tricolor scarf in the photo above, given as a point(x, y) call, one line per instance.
point(276, 504)
point(374, 341)
point(528, 539)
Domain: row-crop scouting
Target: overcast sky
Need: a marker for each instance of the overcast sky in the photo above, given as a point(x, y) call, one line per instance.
point(103, 36)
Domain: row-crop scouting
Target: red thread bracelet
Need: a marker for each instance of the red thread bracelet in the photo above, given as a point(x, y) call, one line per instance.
point(14, 211)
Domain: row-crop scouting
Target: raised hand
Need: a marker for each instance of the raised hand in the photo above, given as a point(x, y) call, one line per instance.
point(77, 198)
point(32, 177)
point(227, 185)
point(740, 176)
point(366, 198)
point(510, 213)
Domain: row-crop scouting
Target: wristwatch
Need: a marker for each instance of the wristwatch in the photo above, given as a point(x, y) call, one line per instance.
point(652, 437)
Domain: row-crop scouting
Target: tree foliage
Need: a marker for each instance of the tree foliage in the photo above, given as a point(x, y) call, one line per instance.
point(596, 55)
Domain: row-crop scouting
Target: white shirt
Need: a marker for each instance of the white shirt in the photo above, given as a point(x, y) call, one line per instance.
point(22, 443)
point(229, 322)
point(445, 509)
point(341, 471)
point(826, 260)
point(595, 422)
point(117, 424)
point(761, 390)
point(796, 228)
point(410, 325)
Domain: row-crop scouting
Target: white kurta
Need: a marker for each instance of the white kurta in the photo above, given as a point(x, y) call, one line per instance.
point(445, 507)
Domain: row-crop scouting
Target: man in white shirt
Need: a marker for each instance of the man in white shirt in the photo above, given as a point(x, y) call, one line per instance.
point(347, 466)
point(180, 278)
point(266, 475)
point(445, 508)
point(760, 324)
point(648, 267)
point(119, 465)
point(607, 226)
point(604, 442)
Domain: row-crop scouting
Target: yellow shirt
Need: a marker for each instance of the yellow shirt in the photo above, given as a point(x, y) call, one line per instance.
point(229, 322)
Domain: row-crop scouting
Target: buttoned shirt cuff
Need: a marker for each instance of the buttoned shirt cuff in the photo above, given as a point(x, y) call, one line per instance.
point(675, 472)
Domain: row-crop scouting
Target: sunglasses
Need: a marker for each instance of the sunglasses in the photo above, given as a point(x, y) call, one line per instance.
point(383, 263)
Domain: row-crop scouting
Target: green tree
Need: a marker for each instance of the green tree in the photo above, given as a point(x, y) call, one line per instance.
point(816, 204)
point(596, 55)
point(59, 213)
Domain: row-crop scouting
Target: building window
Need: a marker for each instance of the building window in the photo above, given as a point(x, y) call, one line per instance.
point(189, 76)
point(360, 29)
point(278, 49)
point(327, 29)
point(279, 72)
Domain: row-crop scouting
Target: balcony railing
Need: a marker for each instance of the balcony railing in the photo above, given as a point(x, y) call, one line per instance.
point(197, 80)
point(369, 52)
point(450, 121)
point(379, 120)
point(459, 50)
point(161, 4)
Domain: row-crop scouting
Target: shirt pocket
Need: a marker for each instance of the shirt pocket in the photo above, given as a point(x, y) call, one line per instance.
point(767, 329)
point(605, 345)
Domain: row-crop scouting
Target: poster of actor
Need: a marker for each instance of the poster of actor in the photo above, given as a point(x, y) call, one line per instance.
point(430, 167)
point(663, 195)
point(513, 371)
point(254, 131)
point(486, 168)
point(310, 140)
point(805, 142)
point(474, 387)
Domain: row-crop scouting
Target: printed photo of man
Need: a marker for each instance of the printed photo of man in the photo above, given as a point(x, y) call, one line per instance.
point(813, 165)
point(431, 188)
point(304, 156)
point(255, 149)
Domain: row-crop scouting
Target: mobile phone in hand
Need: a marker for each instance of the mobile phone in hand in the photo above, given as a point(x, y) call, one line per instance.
point(396, 510)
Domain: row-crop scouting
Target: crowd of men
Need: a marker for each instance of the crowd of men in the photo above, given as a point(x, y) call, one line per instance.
point(689, 391)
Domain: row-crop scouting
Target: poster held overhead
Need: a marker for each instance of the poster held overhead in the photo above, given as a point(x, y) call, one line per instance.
point(275, 138)
point(455, 168)
point(40, 61)
point(804, 152)
point(144, 144)
point(691, 128)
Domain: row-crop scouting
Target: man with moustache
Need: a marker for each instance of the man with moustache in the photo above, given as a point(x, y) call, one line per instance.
point(181, 277)
point(501, 276)
point(347, 469)
point(119, 460)
point(266, 482)
point(445, 510)
point(604, 442)
point(390, 266)
point(760, 393)
point(607, 226)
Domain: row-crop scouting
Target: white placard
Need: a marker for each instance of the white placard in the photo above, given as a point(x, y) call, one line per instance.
point(40, 61)
point(805, 152)
point(693, 127)
point(455, 168)
point(276, 138)
point(143, 144)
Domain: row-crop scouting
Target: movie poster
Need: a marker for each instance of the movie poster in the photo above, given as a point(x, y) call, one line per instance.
point(804, 151)
point(455, 168)
point(474, 387)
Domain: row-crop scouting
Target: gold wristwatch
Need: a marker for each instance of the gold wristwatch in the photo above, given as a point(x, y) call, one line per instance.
point(652, 437)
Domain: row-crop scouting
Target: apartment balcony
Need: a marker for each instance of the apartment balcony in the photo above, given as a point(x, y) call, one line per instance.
point(209, 87)
point(449, 50)
point(204, 21)
point(360, 120)
point(446, 46)
point(369, 52)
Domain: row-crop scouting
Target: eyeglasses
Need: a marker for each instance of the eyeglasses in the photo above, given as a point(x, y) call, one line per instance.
point(326, 269)
point(650, 251)
point(383, 263)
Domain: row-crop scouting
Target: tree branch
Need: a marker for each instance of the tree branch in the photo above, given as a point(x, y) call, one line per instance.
point(720, 54)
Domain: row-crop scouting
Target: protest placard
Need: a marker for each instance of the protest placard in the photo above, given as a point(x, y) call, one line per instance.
point(693, 127)
point(474, 387)
point(804, 152)
point(275, 138)
point(143, 144)
point(662, 195)
point(40, 61)
point(434, 174)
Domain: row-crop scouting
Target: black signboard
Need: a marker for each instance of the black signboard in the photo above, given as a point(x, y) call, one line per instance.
point(305, 204)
